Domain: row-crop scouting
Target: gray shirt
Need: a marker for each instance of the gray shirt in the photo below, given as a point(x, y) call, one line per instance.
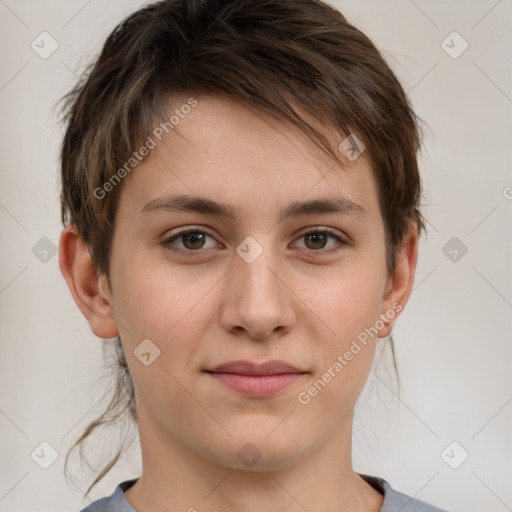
point(394, 501)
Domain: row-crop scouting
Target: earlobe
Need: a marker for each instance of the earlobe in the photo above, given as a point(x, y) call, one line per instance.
point(88, 289)
point(399, 285)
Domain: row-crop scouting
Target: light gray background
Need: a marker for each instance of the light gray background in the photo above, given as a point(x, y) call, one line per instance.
point(453, 341)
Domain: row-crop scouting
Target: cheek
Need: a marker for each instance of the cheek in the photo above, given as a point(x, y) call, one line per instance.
point(166, 304)
point(347, 302)
point(349, 305)
point(171, 309)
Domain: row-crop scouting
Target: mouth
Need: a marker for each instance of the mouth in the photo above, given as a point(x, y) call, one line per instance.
point(256, 379)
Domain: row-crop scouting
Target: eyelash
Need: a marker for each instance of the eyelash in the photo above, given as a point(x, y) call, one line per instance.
point(168, 242)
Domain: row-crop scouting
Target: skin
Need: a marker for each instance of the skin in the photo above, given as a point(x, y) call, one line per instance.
point(294, 303)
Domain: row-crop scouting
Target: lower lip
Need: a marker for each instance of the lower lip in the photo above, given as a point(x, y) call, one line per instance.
point(257, 385)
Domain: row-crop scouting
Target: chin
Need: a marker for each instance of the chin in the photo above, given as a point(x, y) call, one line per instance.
point(259, 452)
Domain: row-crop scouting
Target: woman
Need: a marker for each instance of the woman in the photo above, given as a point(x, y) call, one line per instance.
point(240, 195)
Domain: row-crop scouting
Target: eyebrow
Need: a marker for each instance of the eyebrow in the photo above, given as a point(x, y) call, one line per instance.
point(203, 205)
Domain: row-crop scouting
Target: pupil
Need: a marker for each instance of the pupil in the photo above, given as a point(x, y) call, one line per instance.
point(195, 237)
point(318, 237)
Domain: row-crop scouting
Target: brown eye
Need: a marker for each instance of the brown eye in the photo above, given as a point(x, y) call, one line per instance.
point(193, 240)
point(315, 240)
point(189, 241)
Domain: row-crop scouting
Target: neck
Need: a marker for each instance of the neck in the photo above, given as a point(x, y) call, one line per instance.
point(175, 477)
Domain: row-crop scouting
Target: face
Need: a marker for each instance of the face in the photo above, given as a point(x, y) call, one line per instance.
point(261, 277)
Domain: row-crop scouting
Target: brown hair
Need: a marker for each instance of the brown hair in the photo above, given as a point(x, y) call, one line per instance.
point(284, 57)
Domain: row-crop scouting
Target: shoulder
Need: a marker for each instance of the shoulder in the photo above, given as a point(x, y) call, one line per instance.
point(395, 501)
point(116, 502)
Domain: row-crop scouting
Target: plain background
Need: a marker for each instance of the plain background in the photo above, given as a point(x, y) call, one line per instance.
point(453, 341)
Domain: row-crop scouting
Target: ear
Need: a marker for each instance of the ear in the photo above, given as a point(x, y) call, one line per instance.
point(399, 285)
point(89, 291)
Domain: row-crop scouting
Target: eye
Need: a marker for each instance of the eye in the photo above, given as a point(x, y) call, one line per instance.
point(192, 240)
point(317, 239)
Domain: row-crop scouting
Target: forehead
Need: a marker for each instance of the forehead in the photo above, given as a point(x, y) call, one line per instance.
point(243, 157)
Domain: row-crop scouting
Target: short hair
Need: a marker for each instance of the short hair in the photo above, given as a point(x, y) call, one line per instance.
point(296, 60)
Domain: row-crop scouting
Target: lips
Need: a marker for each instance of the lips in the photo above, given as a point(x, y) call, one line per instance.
point(256, 379)
point(273, 367)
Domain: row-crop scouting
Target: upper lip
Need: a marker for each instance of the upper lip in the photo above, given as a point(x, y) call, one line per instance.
point(273, 367)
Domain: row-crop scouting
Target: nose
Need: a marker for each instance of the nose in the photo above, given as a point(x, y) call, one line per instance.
point(257, 300)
